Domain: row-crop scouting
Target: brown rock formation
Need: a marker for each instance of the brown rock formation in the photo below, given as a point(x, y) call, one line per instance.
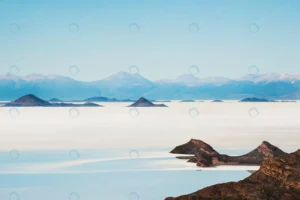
point(194, 146)
point(206, 156)
point(277, 179)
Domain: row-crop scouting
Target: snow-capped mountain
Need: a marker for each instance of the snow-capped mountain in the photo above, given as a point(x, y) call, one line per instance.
point(272, 77)
point(46, 87)
point(124, 79)
point(192, 80)
point(9, 76)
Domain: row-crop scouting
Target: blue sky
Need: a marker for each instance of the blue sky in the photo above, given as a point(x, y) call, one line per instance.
point(36, 37)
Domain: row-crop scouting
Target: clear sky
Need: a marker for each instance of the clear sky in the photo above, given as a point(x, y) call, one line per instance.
point(163, 38)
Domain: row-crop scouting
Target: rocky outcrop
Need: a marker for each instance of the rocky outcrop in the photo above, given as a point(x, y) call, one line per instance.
point(194, 146)
point(255, 100)
point(206, 156)
point(188, 100)
point(277, 179)
point(90, 104)
point(105, 99)
point(142, 102)
point(55, 100)
point(87, 104)
point(217, 101)
point(165, 101)
point(28, 100)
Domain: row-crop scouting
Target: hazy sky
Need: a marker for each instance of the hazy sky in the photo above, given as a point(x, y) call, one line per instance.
point(163, 38)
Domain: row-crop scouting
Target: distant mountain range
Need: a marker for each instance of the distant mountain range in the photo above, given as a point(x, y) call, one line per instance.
point(125, 85)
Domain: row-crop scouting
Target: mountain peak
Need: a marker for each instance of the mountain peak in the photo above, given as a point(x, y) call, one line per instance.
point(194, 146)
point(142, 99)
point(267, 146)
point(121, 75)
point(125, 79)
point(266, 143)
point(266, 149)
point(143, 102)
point(9, 76)
point(29, 100)
point(187, 79)
point(196, 141)
point(33, 77)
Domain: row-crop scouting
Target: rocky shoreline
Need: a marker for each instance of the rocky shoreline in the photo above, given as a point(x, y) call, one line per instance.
point(277, 179)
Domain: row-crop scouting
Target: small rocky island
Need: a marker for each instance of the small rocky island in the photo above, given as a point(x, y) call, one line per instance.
point(106, 99)
point(205, 156)
point(55, 100)
point(28, 101)
point(142, 102)
point(188, 100)
point(31, 100)
point(165, 101)
point(253, 99)
point(277, 179)
point(217, 101)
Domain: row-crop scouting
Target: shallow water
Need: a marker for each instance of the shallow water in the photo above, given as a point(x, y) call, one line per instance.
point(111, 186)
point(104, 174)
